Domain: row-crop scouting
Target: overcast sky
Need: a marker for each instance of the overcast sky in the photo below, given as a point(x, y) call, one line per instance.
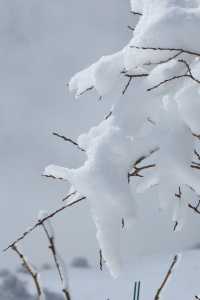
point(43, 43)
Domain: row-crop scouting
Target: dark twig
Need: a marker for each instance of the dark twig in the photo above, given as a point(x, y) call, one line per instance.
point(40, 222)
point(164, 60)
point(169, 272)
point(56, 259)
point(136, 13)
point(130, 78)
point(30, 270)
point(69, 195)
point(177, 195)
point(123, 223)
point(166, 81)
point(189, 70)
point(131, 28)
point(167, 49)
point(52, 177)
point(100, 260)
point(195, 208)
point(87, 90)
point(136, 169)
point(66, 139)
point(108, 115)
point(136, 293)
point(127, 85)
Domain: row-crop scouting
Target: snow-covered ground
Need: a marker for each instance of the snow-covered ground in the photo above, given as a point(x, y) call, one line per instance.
point(93, 284)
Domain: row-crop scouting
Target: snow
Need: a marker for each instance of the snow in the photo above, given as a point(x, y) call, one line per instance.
point(103, 75)
point(164, 45)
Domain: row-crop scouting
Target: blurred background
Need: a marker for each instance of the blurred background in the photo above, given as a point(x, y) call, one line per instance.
point(43, 43)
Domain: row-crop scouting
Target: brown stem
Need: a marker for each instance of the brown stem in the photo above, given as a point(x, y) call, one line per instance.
point(169, 272)
point(40, 222)
point(30, 270)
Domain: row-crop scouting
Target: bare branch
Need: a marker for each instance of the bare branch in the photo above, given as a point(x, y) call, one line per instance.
point(136, 13)
point(66, 139)
point(53, 250)
point(136, 169)
point(177, 195)
point(131, 28)
point(30, 270)
point(100, 260)
point(69, 195)
point(167, 49)
point(137, 287)
point(108, 115)
point(189, 70)
point(135, 75)
point(123, 223)
point(127, 85)
point(87, 90)
point(167, 80)
point(52, 177)
point(40, 222)
point(167, 276)
point(164, 60)
point(195, 208)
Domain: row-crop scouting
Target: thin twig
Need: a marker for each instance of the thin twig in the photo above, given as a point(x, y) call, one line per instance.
point(136, 13)
point(167, 49)
point(69, 196)
point(179, 196)
point(123, 223)
point(195, 208)
point(40, 222)
point(66, 139)
point(31, 271)
point(86, 90)
point(164, 60)
point(100, 260)
point(53, 250)
point(169, 272)
point(167, 80)
point(127, 85)
point(108, 115)
point(131, 28)
point(137, 169)
point(52, 177)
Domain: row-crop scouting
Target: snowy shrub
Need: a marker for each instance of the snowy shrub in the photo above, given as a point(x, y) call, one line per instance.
point(153, 126)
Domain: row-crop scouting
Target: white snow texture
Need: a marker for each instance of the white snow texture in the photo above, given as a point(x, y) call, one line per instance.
point(165, 46)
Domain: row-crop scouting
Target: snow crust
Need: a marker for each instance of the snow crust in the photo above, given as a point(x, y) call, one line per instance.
point(159, 110)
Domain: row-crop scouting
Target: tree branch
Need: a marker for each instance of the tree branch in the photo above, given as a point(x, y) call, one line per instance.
point(167, 276)
point(31, 271)
point(167, 49)
point(58, 265)
point(66, 139)
point(40, 222)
